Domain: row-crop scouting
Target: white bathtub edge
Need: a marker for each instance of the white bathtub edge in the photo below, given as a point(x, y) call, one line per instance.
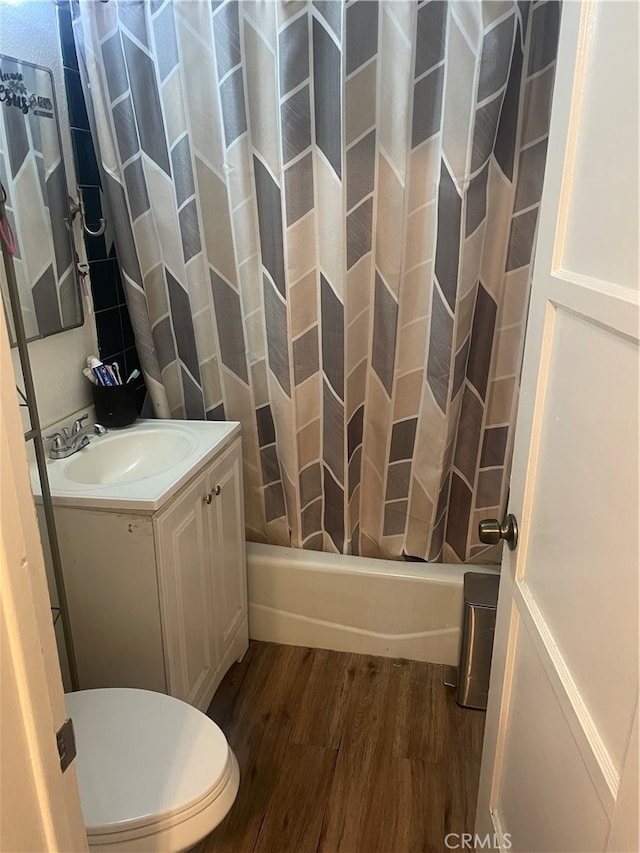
point(353, 604)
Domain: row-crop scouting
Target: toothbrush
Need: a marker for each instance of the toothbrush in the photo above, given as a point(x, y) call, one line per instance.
point(116, 369)
point(133, 375)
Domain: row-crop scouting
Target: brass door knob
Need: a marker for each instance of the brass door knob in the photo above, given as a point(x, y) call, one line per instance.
point(491, 531)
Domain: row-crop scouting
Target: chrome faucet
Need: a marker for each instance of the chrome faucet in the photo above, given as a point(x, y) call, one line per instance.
point(62, 446)
point(71, 439)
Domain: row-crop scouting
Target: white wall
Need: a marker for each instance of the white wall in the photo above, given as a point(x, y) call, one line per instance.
point(604, 191)
point(29, 31)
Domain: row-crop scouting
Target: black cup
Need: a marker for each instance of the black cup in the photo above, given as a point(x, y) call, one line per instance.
point(115, 404)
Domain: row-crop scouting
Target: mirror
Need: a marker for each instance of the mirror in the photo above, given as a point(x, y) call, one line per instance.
point(37, 202)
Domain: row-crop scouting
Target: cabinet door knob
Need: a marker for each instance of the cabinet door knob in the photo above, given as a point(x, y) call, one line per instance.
point(217, 490)
point(208, 498)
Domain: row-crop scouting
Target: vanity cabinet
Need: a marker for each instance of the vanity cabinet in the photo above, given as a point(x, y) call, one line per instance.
point(158, 600)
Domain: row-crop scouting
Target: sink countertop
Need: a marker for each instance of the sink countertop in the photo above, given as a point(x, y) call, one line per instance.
point(147, 494)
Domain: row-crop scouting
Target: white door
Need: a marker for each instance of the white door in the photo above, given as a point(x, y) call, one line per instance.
point(560, 764)
point(39, 805)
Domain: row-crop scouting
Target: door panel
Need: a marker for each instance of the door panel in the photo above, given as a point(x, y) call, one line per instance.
point(583, 506)
point(557, 764)
point(228, 552)
point(193, 589)
point(554, 805)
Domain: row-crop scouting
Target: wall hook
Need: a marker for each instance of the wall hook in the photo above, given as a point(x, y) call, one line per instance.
point(77, 207)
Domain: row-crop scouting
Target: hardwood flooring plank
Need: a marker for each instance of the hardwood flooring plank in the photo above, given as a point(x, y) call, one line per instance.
point(425, 828)
point(321, 715)
point(295, 812)
point(365, 765)
point(424, 726)
point(374, 703)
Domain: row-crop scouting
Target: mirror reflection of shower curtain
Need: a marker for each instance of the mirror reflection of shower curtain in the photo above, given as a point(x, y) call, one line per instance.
point(325, 215)
point(33, 175)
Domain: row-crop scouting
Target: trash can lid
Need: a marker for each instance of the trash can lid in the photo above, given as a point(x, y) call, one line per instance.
point(481, 589)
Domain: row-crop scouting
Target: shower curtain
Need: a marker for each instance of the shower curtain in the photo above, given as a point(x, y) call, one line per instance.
point(325, 215)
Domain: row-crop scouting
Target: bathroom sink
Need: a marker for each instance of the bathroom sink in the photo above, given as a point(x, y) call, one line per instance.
point(127, 457)
point(136, 468)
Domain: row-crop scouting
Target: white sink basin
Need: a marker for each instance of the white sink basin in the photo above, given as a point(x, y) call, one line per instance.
point(139, 467)
point(127, 457)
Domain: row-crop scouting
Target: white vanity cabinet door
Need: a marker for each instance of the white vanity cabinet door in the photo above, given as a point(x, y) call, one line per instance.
point(186, 594)
point(228, 555)
point(110, 574)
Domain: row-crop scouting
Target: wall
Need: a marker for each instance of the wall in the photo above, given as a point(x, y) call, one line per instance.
point(28, 32)
point(603, 198)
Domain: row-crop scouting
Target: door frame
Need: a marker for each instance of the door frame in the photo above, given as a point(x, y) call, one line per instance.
point(43, 810)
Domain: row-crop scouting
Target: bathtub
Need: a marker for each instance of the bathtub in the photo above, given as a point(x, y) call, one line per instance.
point(356, 604)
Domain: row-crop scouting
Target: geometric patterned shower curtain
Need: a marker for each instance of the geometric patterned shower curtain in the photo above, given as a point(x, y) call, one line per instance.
point(325, 214)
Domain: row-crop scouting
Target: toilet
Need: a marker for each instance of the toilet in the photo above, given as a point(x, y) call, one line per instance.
point(154, 773)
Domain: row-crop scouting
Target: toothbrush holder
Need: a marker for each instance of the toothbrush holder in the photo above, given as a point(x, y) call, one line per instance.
point(115, 404)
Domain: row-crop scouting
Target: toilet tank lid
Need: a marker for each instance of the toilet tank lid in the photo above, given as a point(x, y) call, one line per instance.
point(142, 756)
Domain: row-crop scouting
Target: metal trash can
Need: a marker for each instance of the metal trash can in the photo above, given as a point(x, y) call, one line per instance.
point(478, 627)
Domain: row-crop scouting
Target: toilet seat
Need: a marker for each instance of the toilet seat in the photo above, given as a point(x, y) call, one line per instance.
point(154, 773)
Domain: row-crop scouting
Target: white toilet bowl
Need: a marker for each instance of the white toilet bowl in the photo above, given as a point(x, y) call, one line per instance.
point(154, 773)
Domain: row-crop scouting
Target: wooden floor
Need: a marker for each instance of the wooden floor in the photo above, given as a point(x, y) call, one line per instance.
point(344, 752)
